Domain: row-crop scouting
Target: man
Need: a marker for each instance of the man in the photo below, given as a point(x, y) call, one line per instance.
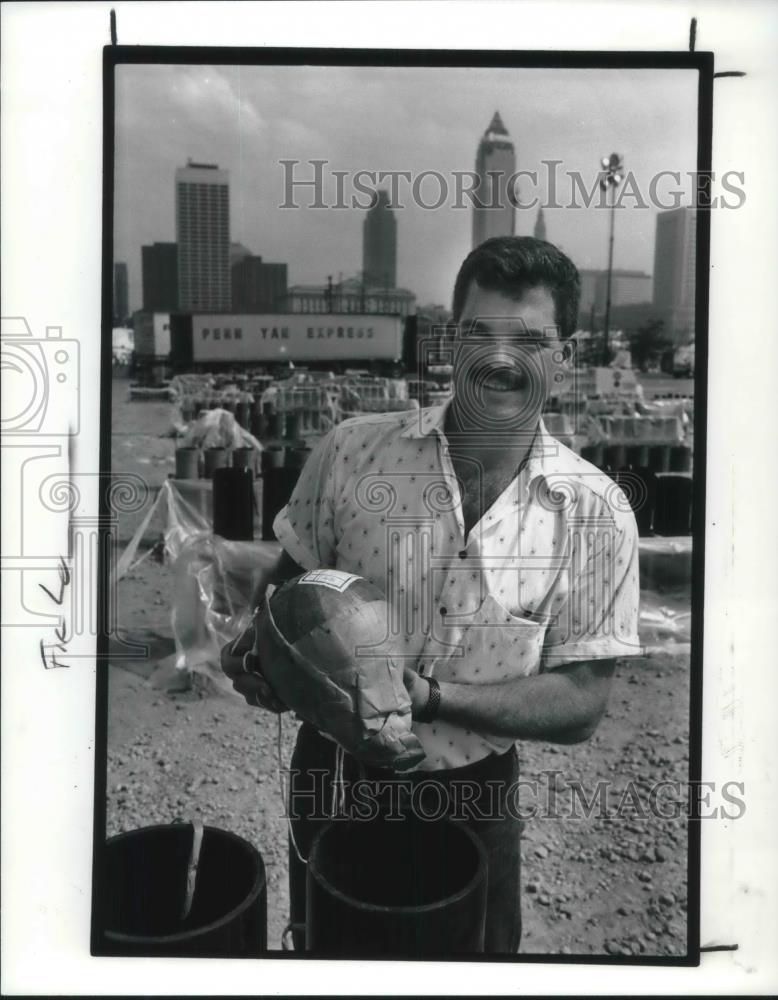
point(509, 563)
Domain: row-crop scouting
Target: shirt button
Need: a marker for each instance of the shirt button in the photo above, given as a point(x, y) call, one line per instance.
point(463, 554)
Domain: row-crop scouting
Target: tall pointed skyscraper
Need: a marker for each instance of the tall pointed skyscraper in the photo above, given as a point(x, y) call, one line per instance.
point(540, 226)
point(495, 164)
point(379, 244)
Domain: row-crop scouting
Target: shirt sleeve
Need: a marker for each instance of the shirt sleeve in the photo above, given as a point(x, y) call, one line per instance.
point(305, 525)
point(598, 616)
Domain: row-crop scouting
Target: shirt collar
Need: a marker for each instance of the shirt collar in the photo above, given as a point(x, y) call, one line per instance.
point(425, 422)
point(546, 457)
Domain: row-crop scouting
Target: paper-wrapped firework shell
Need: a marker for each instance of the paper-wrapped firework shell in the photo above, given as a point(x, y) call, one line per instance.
point(314, 634)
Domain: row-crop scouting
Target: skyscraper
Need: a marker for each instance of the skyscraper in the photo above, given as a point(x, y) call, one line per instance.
point(675, 254)
point(238, 253)
point(627, 288)
point(587, 303)
point(540, 226)
point(159, 264)
point(120, 293)
point(203, 237)
point(258, 287)
point(495, 164)
point(379, 244)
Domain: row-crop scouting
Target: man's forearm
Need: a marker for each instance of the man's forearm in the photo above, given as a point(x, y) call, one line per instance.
point(562, 706)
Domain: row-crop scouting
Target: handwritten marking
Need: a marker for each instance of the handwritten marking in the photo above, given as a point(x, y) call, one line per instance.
point(49, 650)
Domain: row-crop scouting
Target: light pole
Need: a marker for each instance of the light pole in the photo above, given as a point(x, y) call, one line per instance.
point(612, 177)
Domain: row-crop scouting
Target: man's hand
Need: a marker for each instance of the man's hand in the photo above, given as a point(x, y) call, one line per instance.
point(240, 663)
point(418, 688)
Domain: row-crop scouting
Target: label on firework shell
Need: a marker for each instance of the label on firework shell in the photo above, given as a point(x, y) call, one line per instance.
point(332, 578)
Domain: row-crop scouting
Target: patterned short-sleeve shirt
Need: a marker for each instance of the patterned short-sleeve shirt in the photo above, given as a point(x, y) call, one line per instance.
point(548, 576)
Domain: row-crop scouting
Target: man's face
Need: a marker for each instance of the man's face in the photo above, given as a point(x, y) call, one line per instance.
point(507, 355)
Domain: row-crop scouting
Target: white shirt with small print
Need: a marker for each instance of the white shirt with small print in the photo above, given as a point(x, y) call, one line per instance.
point(548, 576)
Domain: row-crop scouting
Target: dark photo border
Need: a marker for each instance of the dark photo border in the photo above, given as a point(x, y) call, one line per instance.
point(703, 63)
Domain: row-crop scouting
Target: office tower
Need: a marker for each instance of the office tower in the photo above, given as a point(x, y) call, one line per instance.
point(159, 264)
point(587, 303)
point(627, 288)
point(203, 237)
point(258, 287)
point(379, 244)
point(495, 165)
point(675, 252)
point(540, 226)
point(238, 253)
point(120, 294)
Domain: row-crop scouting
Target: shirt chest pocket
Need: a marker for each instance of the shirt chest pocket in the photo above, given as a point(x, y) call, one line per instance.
point(496, 645)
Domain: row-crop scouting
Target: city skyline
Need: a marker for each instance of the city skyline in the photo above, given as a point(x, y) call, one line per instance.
point(250, 118)
point(203, 236)
point(495, 164)
point(379, 243)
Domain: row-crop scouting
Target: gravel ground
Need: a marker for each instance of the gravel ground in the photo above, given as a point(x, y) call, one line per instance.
point(589, 885)
point(592, 885)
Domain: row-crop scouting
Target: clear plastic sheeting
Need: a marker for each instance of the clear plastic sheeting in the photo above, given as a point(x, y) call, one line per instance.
point(665, 595)
point(666, 566)
point(665, 621)
point(218, 429)
point(184, 517)
point(213, 583)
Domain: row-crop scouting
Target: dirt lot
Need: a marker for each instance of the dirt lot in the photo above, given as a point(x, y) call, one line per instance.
point(590, 885)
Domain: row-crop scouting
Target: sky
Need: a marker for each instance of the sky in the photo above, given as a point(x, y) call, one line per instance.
point(248, 119)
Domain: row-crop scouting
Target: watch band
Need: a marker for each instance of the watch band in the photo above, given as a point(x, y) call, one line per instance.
point(430, 711)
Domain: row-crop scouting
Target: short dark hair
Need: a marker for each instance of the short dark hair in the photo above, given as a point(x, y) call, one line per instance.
point(514, 264)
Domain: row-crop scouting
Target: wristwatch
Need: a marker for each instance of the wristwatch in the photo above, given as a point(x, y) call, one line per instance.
point(430, 711)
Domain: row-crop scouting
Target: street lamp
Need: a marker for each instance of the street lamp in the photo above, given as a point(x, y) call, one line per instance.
point(613, 167)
